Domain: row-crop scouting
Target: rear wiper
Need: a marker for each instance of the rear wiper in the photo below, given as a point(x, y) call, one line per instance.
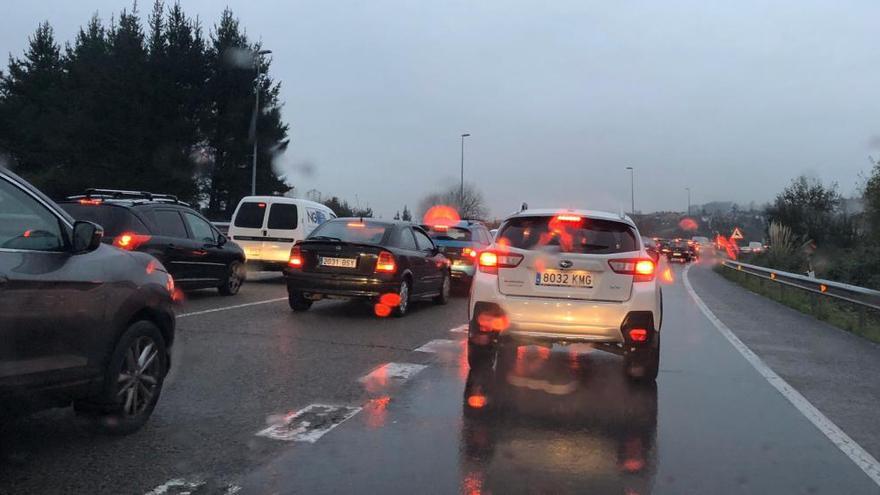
point(324, 238)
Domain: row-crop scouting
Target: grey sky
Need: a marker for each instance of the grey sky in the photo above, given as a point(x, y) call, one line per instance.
point(730, 98)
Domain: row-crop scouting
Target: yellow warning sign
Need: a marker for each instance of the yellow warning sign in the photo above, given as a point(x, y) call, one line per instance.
point(736, 234)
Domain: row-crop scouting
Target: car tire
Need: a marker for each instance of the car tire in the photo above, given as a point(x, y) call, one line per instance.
point(480, 356)
point(445, 290)
point(235, 276)
point(643, 365)
point(404, 292)
point(297, 301)
point(132, 382)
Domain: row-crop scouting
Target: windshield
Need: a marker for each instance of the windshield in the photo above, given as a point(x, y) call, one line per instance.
point(350, 230)
point(114, 219)
point(585, 236)
point(450, 234)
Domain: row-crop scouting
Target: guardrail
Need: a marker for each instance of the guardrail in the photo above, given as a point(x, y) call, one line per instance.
point(860, 296)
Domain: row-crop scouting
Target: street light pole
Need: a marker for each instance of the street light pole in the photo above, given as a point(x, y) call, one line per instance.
point(632, 191)
point(257, 56)
point(461, 187)
point(689, 200)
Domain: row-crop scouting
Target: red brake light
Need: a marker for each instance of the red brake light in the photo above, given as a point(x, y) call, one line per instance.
point(642, 270)
point(490, 261)
point(295, 260)
point(130, 241)
point(386, 263)
point(568, 218)
point(356, 225)
point(469, 252)
point(261, 205)
point(477, 401)
point(87, 201)
point(638, 335)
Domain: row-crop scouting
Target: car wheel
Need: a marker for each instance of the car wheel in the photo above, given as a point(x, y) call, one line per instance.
point(132, 382)
point(401, 309)
point(297, 301)
point(643, 365)
point(445, 289)
point(480, 356)
point(235, 275)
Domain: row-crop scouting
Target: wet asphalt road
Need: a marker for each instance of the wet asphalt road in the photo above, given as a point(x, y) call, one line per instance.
point(563, 421)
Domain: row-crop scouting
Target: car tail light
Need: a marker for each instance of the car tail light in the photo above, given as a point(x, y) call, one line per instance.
point(88, 201)
point(296, 260)
point(642, 269)
point(468, 252)
point(568, 218)
point(638, 334)
point(130, 241)
point(490, 261)
point(386, 263)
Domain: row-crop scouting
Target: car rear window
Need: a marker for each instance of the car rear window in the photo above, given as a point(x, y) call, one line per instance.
point(351, 231)
point(585, 236)
point(114, 219)
point(282, 216)
point(450, 234)
point(250, 215)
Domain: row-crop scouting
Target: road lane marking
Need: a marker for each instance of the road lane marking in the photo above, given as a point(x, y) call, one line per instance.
point(226, 308)
point(460, 329)
point(838, 437)
point(389, 374)
point(309, 424)
point(438, 345)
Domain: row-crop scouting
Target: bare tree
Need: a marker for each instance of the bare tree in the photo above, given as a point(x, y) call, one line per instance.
point(471, 205)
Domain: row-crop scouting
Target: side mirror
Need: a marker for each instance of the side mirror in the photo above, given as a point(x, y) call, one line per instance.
point(435, 251)
point(86, 237)
point(221, 240)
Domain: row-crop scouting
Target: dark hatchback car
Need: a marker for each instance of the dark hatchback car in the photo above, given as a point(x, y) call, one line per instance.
point(462, 244)
point(81, 322)
point(367, 259)
point(680, 250)
point(197, 255)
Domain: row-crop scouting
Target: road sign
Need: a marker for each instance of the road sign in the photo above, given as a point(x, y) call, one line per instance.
point(736, 234)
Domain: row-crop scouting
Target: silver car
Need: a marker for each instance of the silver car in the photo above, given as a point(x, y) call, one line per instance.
point(567, 276)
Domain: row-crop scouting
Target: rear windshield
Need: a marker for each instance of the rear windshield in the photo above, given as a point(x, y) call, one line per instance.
point(450, 234)
point(250, 215)
point(586, 236)
point(282, 216)
point(114, 219)
point(351, 231)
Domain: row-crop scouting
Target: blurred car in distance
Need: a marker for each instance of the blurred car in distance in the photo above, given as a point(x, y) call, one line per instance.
point(99, 324)
point(461, 243)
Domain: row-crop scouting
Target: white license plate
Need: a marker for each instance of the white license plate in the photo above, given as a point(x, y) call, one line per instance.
point(558, 278)
point(339, 262)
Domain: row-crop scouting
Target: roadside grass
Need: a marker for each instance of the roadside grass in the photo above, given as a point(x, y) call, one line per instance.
point(860, 321)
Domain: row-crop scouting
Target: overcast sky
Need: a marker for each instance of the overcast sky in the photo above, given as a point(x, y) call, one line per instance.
point(730, 98)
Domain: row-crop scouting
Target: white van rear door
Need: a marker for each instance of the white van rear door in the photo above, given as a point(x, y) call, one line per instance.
point(282, 230)
point(247, 228)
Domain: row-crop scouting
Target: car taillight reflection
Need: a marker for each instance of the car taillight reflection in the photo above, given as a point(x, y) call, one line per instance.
point(386, 263)
point(130, 240)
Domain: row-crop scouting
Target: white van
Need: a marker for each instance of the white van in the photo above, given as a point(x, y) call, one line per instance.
point(266, 227)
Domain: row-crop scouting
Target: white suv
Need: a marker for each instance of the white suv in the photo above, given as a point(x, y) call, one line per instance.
point(561, 277)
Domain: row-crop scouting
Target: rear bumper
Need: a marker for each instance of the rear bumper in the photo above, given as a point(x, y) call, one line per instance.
point(339, 286)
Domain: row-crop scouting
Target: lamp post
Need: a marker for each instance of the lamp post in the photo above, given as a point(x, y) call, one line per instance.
point(689, 200)
point(632, 191)
point(257, 56)
point(461, 187)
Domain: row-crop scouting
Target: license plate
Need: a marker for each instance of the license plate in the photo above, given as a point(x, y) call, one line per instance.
point(557, 278)
point(339, 262)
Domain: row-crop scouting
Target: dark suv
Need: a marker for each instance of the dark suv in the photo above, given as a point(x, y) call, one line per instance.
point(195, 252)
point(81, 322)
point(461, 243)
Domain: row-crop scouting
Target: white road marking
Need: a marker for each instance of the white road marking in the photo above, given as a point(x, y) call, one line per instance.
point(847, 445)
point(390, 372)
point(187, 487)
point(438, 345)
point(226, 308)
point(309, 424)
point(460, 329)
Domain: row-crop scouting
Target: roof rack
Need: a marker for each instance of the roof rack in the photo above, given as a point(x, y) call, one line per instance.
point(124, 194)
